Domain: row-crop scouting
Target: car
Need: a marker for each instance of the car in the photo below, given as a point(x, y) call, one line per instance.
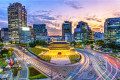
point(17, 62)
point(19, 67)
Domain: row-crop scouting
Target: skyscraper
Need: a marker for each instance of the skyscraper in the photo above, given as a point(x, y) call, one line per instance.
point(111, 30)
point(17, 18)
point(40, 32)
point(31, 29)
point(81, 32)
point(25, 35)
point(91, 35)
point(67, 31)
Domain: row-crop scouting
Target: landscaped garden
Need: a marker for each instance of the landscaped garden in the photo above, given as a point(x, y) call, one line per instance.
point(74, 58)
point(37, 50)
point(35, 74)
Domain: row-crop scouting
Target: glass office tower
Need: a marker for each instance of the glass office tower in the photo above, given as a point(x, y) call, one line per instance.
point(67, 31)
point(81, 32)
point(111, 30)
point(40, 32)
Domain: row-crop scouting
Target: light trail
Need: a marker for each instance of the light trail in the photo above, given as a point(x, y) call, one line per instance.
point(84, 66)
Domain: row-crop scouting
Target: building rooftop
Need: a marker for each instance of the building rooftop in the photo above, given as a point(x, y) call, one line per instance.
point(59, 42)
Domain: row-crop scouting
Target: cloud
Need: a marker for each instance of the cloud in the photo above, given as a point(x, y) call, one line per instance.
point(74, 4)
point(93, 18)
point(44, 17)
point(43, 14)
point(116, 14)
point(3, 23)
point(54, 31)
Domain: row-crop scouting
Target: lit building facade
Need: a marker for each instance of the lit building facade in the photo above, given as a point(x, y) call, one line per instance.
point(40, 32)
point(67, 31)
point(55, 38)
point(111, 30)
point(91, 35)
point(81, 32)
point(31, 29)
point(17, 18)
point(99, 36)
point(4, 34)
point(118, 38)
point(25, 35)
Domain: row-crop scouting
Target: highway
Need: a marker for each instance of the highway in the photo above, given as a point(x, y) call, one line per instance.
point(105, 67)
point(84, 62)
point(92, 66)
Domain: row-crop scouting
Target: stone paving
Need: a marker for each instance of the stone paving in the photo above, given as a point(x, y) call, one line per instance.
point(60, 60)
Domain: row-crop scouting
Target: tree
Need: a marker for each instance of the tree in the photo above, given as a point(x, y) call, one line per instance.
point(99, 42)
point(92, 47)
point(9, 54)
point(11, 49)
point(32, 44)
point(4, 52)
point(111, 45)
point(74, 43)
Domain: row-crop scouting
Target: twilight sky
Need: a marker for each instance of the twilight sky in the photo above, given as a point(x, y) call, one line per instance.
point(55, 12)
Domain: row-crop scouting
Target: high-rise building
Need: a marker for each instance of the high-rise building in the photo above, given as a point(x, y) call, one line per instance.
point(17, 18)
point(111, 30)
point(31, 29)
point(99, 36)
point(4, 34)
point(55, 38)
point(67, 31)
point(91, 35)
point(40, 32)
point(81, 32)
point(25, 35)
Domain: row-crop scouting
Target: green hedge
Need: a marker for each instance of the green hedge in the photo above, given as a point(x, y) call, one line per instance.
point(113, 55)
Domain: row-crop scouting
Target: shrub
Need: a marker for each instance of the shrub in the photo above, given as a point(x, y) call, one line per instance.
point(15, 71)
point(74, 58)
point(92, 47)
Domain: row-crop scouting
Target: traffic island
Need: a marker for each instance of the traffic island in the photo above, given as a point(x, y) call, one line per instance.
point(35, 74)
point(58, 52)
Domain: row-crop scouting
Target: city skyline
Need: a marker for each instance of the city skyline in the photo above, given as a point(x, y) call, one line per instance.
point(93, 12)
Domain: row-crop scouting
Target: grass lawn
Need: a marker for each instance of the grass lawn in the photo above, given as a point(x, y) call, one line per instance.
point(46, 58)
point(37, 50)
point(35, 74)
point(74, 58)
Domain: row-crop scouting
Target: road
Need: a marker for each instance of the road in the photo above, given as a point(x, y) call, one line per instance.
point(102, 67)
point(38, 65)
point(24, 71)
point(106, 68)
point(93, 66)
